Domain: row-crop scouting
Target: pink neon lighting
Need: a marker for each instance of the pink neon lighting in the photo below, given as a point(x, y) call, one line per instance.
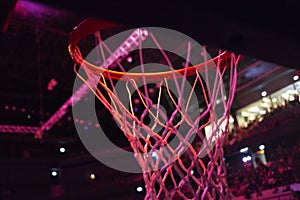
point(128, 45)
point(77, 96)
point(19, 129)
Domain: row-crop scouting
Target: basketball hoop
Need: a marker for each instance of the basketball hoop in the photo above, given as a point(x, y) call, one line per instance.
point(163, 108)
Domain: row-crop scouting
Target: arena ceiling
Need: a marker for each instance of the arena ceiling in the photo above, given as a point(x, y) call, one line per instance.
point(267, 30)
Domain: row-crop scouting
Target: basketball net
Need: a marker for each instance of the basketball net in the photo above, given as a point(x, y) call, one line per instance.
point(160, 114)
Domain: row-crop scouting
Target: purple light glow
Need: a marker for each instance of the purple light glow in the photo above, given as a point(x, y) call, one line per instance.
point(34, 11)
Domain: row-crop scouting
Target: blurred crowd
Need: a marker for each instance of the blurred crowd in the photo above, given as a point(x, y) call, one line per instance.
point(282, 169)
point(274, 117)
